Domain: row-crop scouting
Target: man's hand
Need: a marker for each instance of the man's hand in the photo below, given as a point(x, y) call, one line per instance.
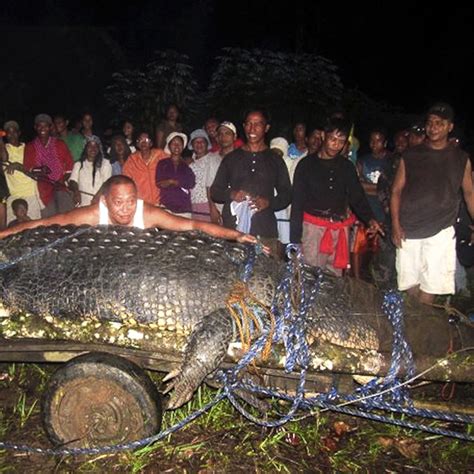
point(216, 217)
point(250, 239)
point(398, 234)
point(12, 167)
point(41, 171)
point(374, 228)
point(76, 195)
point(238, 196)
point(260, 203)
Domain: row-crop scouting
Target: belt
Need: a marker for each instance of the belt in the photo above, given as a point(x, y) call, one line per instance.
point(341, 249)
point(328, 216)
point(326, 222)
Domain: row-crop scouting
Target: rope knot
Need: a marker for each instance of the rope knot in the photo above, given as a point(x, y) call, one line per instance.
point(247, 312)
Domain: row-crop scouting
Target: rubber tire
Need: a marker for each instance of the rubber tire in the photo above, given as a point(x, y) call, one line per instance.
point(100, 399)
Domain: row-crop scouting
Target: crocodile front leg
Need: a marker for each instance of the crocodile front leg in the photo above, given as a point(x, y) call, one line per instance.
point(205, 350)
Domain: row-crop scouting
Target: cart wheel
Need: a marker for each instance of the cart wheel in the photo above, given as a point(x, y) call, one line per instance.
point(99, 399)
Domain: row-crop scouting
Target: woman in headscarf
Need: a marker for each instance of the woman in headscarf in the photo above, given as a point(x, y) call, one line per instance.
point(199, 143)
point(175, 178)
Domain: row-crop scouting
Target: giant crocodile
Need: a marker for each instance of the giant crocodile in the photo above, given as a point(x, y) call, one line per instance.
point(153, 290)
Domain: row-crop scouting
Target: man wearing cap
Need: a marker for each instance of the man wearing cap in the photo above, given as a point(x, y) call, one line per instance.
point(141, 167)
point(226, 139)
point(248, 178)
point(19, 184)
point(52, 157)
point(211, 127)
point(424, 205)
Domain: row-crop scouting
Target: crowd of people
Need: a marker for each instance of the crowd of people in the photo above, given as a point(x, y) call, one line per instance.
point(313, 190)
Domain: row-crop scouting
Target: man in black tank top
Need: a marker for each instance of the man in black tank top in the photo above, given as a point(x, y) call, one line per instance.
point(424, 205)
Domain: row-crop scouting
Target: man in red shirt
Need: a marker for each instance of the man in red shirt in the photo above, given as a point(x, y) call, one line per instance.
point(51, 160)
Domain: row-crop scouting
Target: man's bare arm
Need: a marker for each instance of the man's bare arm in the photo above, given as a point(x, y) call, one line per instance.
point(156, 217)
point(88, 215)
point(468, 190)
point(398, 184)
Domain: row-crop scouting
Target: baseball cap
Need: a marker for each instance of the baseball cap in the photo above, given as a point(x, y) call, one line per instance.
point(443, 110)
point(228, 125)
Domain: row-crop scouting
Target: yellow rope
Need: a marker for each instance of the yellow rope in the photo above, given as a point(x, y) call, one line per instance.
point(240, 297)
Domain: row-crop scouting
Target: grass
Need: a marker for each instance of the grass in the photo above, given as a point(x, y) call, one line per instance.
point(22, 410)
point(18, 373)
point(222, 441)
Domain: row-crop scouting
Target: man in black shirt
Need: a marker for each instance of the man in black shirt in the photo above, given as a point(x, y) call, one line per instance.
point(424, 206)
point(252, 173)
point(325, 187)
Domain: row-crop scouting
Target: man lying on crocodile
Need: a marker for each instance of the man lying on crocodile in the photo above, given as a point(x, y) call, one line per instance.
point(118, 205)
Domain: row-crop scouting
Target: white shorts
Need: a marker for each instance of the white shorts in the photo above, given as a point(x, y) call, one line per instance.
point(429, 263)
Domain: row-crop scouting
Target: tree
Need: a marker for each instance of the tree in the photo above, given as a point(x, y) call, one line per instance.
point(55, 69)
point(142, 95)
point(367, 113)
point(290, 85)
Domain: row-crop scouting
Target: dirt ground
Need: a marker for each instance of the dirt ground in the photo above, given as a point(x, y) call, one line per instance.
point(222, 441)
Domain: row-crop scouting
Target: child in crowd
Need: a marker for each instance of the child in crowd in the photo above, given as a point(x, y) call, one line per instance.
point(20, 209)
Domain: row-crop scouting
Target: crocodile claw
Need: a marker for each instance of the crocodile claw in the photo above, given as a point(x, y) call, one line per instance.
point(182, 390)
point(171, 375)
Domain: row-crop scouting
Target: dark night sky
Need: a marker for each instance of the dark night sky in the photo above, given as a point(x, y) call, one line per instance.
point(405, 54)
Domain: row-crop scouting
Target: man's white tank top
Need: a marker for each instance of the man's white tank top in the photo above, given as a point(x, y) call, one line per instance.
point(138, 220)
